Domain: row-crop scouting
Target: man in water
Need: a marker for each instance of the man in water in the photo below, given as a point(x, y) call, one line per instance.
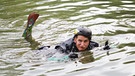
point(79, 43)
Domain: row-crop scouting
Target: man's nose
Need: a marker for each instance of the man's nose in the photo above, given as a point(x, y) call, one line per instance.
point(82, 43)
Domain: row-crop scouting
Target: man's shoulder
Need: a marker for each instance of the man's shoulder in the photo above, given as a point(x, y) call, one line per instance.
point(65, 43)
point(95, 44)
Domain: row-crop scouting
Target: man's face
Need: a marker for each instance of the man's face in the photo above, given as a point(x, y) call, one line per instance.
point(82, 42)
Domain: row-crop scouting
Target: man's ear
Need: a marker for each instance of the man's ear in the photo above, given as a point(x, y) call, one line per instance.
point(75, 40)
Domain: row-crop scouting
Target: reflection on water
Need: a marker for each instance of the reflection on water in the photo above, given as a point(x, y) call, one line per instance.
point(111, 20)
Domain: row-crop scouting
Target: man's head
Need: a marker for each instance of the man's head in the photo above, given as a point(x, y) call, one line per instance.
point(82, 38)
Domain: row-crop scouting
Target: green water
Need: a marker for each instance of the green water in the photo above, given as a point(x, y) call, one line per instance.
point(111, 20)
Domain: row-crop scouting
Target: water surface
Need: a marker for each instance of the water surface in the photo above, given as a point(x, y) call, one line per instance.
point(111, 20)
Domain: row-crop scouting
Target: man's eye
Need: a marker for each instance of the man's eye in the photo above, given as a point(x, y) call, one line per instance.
point(86, 41)
point(80, 40)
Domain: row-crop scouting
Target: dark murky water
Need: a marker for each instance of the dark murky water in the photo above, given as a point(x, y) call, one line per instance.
point(112, 20)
